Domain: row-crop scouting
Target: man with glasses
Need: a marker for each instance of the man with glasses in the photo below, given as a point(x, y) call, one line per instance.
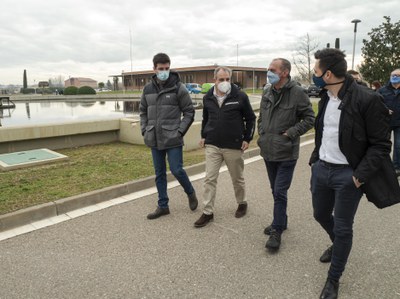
point(351, 156)
point(226, 131)
point(391, 96)
point(166, 113)
point(285, 114)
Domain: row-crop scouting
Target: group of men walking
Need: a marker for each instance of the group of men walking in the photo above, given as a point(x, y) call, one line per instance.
point(351, 155)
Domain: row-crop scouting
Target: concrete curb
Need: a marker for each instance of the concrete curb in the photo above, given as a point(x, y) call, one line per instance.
point(65, 205)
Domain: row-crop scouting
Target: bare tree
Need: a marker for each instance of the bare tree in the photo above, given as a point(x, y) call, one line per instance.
point(57, 82)
point(302, 57)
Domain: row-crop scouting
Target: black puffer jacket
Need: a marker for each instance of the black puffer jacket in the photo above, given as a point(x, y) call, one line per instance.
point(230, 125)
point(161, 109)
point(364, 139)
point(391, 97)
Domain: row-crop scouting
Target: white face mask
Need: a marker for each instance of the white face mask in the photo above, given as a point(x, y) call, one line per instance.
point(224, 87)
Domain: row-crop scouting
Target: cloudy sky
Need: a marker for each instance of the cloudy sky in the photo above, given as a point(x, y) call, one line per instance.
point(95, 38)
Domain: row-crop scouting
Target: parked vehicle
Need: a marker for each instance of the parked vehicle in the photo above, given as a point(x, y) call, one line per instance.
point(313, 90)
point(193, 87)
point(206, 87)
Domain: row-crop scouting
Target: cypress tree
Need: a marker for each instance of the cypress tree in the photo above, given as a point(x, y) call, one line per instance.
point(25, 80)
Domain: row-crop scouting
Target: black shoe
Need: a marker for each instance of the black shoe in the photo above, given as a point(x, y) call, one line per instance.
point(274, 241)
point(330, 290)
point(327, 255)
point(268, 229)
point(193, 202)
point(203, 220)
point(158, 213)
point(241, 210)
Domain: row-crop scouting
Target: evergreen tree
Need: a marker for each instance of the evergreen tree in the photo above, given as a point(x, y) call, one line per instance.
point(25, 80)
point(382, 52)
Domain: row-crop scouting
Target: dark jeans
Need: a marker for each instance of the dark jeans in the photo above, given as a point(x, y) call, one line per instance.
point(280, 176)
point(175, 161)
point(335, 200)
point(396, 147)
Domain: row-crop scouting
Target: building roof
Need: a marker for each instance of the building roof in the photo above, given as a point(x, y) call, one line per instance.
point(201, 68)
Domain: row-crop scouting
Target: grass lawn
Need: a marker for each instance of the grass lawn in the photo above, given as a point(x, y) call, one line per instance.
point(89, 168)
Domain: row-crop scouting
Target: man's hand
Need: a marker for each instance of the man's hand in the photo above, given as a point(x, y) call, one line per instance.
point(245, 145)
point(357, 182)
point(201, 142)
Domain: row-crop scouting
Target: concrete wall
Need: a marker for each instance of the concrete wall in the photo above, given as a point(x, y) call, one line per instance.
point(58, 136)
point(67, 135)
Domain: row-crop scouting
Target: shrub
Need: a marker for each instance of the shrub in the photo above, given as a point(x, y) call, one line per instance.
point(71, 90)
point(86, 90)
point(27, 90)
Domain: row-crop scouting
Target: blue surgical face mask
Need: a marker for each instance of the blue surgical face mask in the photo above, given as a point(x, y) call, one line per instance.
point(163, 75)
point(395, 79)
point(272, 77)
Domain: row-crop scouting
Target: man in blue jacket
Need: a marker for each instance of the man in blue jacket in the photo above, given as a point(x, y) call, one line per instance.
point(351, 156)
point(166, 113)
point(226, 131)
point(391, 96)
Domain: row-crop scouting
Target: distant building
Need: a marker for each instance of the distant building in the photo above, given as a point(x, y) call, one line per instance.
point(246, 77)
point(79, 82)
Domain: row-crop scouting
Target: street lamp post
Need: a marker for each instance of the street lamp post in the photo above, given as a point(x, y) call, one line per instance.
point(355, 21)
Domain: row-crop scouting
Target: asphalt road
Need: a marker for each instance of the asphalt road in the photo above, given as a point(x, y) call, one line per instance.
point(118, 253)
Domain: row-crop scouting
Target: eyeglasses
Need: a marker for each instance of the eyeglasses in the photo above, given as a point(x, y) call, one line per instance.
point(396, 75)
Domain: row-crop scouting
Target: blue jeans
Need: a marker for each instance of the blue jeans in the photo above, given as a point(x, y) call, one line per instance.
point(396, 147)
point(335, 199)
point(175, 162)
point(280, 176)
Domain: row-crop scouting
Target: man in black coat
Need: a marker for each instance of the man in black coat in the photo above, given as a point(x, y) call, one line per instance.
point(226, 131)
point(351, 156)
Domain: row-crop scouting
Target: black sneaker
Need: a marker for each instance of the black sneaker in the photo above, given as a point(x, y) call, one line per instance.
point(193, 202)
point(274, 241)
point(327, 255)
point(330, 290)
point(269, 228)
point(158, 213)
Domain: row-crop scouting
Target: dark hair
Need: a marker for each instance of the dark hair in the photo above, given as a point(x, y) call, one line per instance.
point(376, 84)
point(161, 58)
point(285, 64)
point(353, 72)
point(332, 59)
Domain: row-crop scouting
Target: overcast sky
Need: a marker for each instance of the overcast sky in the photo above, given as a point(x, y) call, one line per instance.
point(94, 38)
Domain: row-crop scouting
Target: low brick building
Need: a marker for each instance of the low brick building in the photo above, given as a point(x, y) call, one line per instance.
point(246, 77)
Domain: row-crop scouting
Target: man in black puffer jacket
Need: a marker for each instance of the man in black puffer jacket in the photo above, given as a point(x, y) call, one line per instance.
point(163, 102)
point(226, 131)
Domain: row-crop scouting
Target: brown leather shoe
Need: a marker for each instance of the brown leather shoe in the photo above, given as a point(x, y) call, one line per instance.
point(158, 213)
point(203, 220)
point(241, 210)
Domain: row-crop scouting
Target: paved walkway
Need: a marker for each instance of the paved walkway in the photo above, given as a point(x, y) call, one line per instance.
point(117, 253)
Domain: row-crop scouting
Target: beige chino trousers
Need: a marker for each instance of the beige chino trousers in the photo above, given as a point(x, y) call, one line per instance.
point(235, 163)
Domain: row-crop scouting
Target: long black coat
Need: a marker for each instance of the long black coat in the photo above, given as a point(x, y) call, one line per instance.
point(364, 139)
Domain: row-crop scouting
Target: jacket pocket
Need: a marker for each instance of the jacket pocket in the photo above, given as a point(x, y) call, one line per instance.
point(150, 136)
point(171, 135)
